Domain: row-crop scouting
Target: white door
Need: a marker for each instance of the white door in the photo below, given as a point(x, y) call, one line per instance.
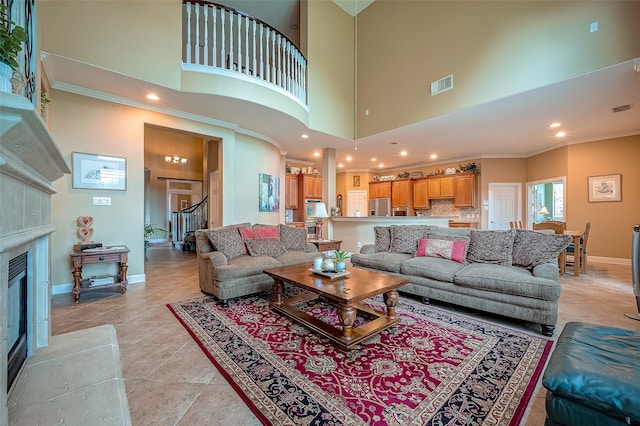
point(504, 204)
point(357, 202)
point(214, 200)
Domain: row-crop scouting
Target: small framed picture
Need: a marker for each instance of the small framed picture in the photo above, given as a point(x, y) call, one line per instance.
point(605, 188)
point(96, 171)
point(356, 181)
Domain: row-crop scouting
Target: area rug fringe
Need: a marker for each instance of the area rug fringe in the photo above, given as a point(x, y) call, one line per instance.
point(435, 367)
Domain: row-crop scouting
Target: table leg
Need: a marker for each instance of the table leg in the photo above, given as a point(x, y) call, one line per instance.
point(576, 255)
point(391, 300)
point(77, 283)
point(347, 316)
point(277, 290)
point(123, 277)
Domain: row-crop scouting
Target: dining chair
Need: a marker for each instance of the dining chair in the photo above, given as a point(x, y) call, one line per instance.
point(558, 228)
point(582, 250)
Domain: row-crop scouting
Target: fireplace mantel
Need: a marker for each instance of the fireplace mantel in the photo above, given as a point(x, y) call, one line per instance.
point(30, 162)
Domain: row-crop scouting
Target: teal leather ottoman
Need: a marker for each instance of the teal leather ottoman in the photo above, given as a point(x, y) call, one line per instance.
point(593, 377)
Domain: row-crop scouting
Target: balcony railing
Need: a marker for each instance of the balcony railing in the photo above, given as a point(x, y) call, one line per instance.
point(219, 37)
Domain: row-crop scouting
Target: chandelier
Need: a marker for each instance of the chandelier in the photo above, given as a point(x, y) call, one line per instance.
point(175, 159)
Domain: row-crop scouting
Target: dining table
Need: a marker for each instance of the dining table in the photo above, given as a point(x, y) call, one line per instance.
point(576, 236)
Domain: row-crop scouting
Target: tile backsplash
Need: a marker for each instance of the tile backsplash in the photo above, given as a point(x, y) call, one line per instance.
point(445, 208)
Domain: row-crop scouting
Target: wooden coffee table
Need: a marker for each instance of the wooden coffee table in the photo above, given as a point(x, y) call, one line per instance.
point(346, 293)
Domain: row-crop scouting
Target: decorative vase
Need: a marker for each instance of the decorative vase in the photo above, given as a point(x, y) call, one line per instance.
point(341, 266)
point(328, 265)
point(5, 78)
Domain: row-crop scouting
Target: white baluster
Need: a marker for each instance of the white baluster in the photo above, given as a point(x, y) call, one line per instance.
point(198, 34)
point(261, 52)
point(188, 47)
point(279, 64)
point(246, 46)
point(206, 35)
point(230, 40)
point(223, 44)
point(239, 43)
point(214, 47)
point(253, 42)
point(268, 73)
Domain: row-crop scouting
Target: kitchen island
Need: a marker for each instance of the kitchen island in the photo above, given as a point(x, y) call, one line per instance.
point(353, 230)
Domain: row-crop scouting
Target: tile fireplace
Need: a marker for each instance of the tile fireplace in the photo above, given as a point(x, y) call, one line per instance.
point(29, 162)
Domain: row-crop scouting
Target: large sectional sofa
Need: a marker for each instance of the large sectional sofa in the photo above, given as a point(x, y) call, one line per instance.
point(231, 259)
point(513, 273)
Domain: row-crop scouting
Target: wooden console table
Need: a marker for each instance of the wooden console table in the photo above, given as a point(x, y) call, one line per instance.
point(326, 245)
point(117, 254)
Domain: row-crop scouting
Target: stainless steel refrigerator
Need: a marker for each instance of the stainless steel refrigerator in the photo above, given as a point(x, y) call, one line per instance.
point(380, 207)
point(635, 269)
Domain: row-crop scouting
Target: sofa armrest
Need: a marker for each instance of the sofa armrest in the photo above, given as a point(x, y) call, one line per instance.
point(312, 248)
point(216, 258)
point(547, 270)
point(368, 249)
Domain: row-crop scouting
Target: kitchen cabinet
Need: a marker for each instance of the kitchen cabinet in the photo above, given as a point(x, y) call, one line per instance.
point(291, 191)
point(421, 194)
point(310, 187)
point(380, 189)
point(400, 193)
point(463, 224)
point(465, 190)
point(440, 187)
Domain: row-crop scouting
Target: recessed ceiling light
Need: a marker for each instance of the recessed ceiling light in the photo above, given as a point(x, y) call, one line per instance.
point(434, 156)
point(561, 134)
point(316, 154)
point(153, 97)
point(380, 165)
point(374, 159)
point(340, 165)
point(349, 158)
point(554, 125)
point(403, 153)
point(305, 136)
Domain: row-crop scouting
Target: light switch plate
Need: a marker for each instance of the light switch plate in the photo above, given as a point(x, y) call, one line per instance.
point(101, 201)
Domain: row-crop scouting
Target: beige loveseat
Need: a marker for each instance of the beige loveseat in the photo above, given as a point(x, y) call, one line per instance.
point(513, 273)
point(230, 264)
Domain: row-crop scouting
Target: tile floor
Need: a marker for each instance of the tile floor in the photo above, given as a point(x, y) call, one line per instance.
point(169, 380)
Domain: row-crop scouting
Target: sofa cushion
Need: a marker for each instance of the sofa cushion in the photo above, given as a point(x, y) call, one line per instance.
point(452, 249)
point(508, 280)
point(244, 266)
point(383, 237)
point(293, 238)
point(494, 247)
point(383, 261)
point(266, 231)
point(431, 267)
point(533, 248)
point(441, 231)
point(404, 238)
point(294, 257)
point(265, 247)
point(227, 240)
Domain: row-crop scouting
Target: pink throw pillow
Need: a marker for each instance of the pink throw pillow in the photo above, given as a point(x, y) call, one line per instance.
point(266, 232)
point(452, 250)
point(247, 234)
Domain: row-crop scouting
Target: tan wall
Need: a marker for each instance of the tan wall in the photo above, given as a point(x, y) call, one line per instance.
point(611, 222)
point(550, 164)
point(493, 49)
point(329, 41)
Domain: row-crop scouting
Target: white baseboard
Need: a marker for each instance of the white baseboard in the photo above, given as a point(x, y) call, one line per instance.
point(610, 260)
point(66, 288)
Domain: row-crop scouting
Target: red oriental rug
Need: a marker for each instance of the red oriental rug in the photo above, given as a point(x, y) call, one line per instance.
point(434, 368)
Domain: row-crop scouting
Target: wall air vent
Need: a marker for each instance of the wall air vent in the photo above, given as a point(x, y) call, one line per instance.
point(442, 85)
point(621, 108)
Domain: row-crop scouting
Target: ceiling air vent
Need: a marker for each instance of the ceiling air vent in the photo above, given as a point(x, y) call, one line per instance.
point(442, 85)
point(621, 108)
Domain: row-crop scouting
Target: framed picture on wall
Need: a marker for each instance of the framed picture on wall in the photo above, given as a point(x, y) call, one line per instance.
point(268, 193)
point(96, 171)
point(605, 188)
point(356, 181)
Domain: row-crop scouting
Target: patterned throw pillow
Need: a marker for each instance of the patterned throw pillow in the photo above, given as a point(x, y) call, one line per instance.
point(493, 247)
point(247, 234)
point(404, 239)
point(266, 231)
point(383, 237)
point(293, 238)
point(455, 250)
point(533, 248)
point(266, 247)
point(227, 240)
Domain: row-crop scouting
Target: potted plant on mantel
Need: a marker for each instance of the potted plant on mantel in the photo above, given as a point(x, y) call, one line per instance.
point(11, 38)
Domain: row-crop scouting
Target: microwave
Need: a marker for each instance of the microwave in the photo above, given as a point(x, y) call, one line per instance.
point(313, 230)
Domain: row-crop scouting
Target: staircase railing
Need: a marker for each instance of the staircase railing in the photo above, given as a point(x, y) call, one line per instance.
point(216, 36)
point(185, 222)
